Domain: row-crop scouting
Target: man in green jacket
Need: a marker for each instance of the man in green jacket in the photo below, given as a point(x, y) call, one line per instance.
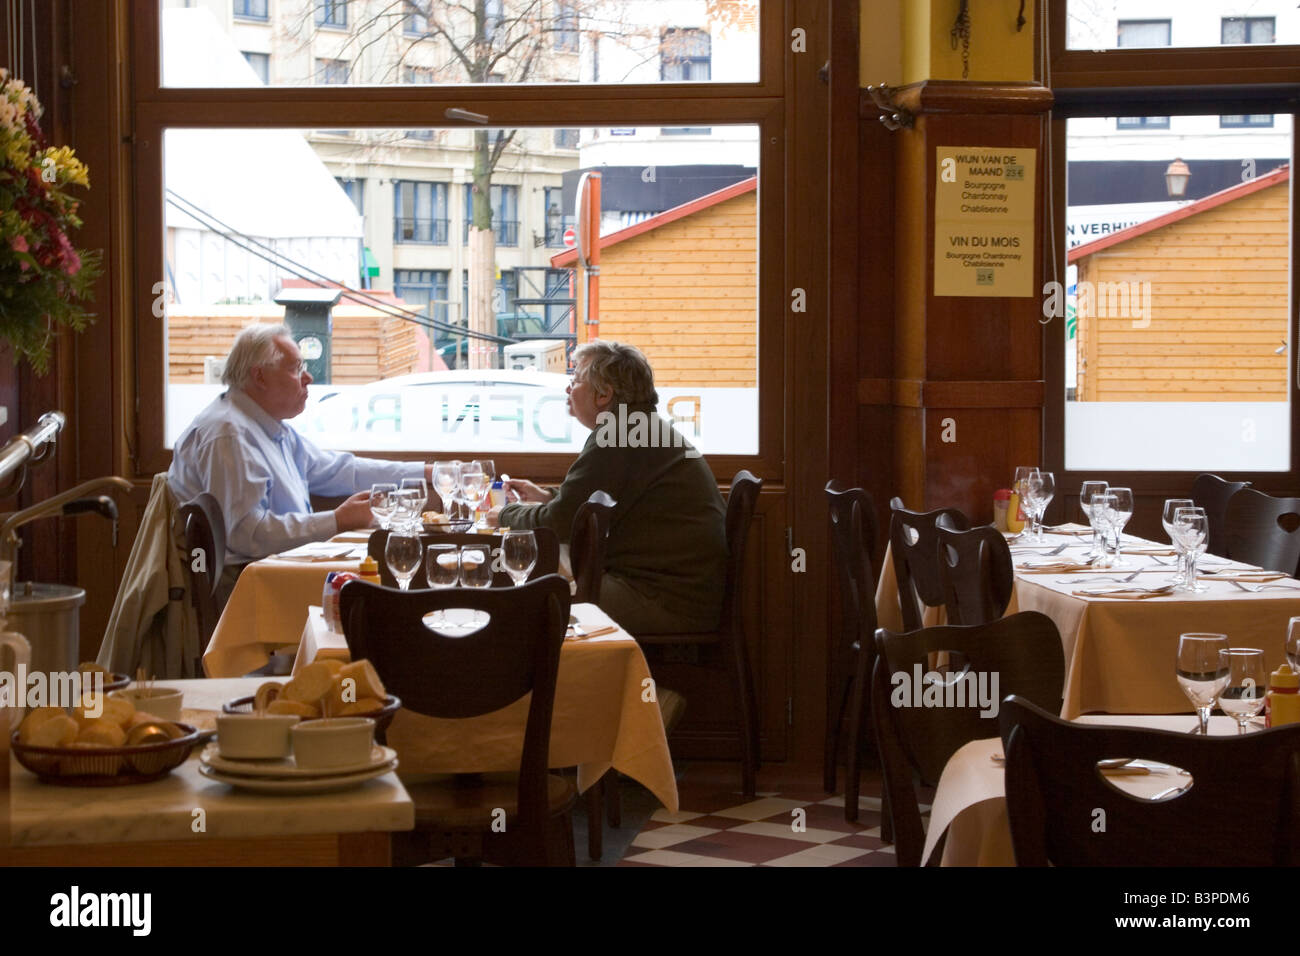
point(666, 558)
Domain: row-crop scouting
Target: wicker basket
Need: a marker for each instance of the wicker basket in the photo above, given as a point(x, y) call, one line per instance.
point(105, 766)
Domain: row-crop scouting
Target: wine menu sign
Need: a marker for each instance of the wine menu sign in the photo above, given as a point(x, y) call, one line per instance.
point(984, 220)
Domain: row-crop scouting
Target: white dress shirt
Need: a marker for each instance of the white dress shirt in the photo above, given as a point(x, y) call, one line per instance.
point(263, 472)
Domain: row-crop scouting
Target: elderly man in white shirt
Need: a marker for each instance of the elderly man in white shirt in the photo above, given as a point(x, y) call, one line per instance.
point(261, 470)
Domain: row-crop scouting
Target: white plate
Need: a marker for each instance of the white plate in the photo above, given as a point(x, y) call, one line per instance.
point(305, 785)
point(287, 769)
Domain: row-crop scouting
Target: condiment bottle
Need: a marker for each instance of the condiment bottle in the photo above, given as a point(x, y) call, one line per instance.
point(1015, 517)
point(1282, 703)
point(369, 570)
point(1001, 500)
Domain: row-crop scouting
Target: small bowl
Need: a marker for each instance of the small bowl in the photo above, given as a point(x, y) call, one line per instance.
point(254, 736)
point(162, 702)
point(333, 742)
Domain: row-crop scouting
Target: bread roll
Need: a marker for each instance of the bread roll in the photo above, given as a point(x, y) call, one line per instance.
point(90, 667)
point(35, 718)
point(119, 710)
point(284, 706)
point(101, 733)
point(366, 705)
point(312, 683)
point(333, 663)
point(268, 692)
point(367, 680)
point(58, 731)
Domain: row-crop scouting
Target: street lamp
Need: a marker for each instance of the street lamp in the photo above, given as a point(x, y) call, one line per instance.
point(1176, 176)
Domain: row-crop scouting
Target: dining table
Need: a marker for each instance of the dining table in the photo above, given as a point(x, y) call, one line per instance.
point(1120, 637)
point(970, 802)
point(185, 819)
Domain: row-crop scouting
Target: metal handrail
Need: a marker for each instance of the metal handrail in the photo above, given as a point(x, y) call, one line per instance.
point(28, 448)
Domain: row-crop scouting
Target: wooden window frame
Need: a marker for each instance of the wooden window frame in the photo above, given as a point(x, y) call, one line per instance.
point(155, 108)
point(1173, 81)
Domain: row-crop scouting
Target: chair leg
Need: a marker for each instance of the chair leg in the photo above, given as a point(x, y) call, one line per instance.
point(749, 753)
point(858, 715)
point(595, 819)
point(831, 747)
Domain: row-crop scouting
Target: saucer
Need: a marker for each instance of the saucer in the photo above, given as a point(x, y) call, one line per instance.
point(319, 784)
point(287, 769)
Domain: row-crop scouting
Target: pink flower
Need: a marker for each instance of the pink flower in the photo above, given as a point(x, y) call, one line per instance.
point(71, 263)
point(19, 244)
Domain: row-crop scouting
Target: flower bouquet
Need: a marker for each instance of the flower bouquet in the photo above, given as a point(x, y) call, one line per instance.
point(43, 278)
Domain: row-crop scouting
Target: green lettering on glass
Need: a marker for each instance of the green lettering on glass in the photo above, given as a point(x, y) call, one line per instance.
point(377, 417)
point(517, 417)
point(469, 410)
point(538, 407)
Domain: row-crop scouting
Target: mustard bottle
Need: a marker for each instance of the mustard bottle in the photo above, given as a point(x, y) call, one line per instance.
point(1282, 703)
point(1015, 517)
point(369, 570)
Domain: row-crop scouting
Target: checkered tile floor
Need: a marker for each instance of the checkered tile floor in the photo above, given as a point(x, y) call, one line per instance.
point(795, 825)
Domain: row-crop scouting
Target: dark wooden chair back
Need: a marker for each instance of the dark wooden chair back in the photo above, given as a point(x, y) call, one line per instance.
point(1054, 791)
point(515, 653)
point(1022, 652)
point(1212, 493)
point(854, 535)
point(548, 555)
point(914, 544)
point(587, 543)
point(741, 501)
point(976, 572)
point(1258, 530)
point(203, 528)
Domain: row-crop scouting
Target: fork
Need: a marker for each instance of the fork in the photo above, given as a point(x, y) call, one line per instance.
point(1256, 588)
point(1124, 580)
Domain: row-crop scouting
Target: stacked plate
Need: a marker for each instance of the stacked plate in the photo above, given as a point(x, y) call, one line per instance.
point(286, 777)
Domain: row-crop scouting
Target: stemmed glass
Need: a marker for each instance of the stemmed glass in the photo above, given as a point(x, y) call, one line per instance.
point(489, 475)
point(1118, 516)
point(1202, 674)
point(1243, 697)
point(403, 554)
point(1040, 488)
point(446, 482)
point(1293, 643)
point(406, 511)
point(476, 571)
point(1167, 519)
point(1021, 480)
point(472, 486)
point(418, 490)
point(1192, 528)
point(442, 569)
point(382, 504)
point(1101, 508)
point(1089, 489)
point(519, 554)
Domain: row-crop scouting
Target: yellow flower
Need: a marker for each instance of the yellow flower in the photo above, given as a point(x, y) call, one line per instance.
point(70, 169)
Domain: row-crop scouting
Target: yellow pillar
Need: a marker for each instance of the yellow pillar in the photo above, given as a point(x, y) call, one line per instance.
point(907, 41)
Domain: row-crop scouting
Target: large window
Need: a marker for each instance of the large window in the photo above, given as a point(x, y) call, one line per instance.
point(1143, 33)
point(251, 9)
point(1171, 308)
point(424, 290)
point(261, 64)
point(420, 212)
point(1096, 25)
point(505, 214)
point(685, 55)
point(566, 26)
point(332, 13)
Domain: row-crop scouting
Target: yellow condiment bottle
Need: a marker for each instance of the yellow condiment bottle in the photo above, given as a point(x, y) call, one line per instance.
point(369, 570)
point(1015, 517)
point(1282, 704)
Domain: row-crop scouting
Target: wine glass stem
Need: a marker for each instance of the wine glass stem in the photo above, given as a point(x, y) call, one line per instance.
point(1204, 714)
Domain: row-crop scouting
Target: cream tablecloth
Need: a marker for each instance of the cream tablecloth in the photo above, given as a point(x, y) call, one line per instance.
point(971, 804)
point(1119, 653)
point(602, 716)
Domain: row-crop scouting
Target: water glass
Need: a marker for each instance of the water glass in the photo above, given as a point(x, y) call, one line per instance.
point(1086, 492)
point(1201, 673)
point(1120, 512)
point(476, 566)
point(1167, 520)
point(382, 504)
point(1040, 488)
point(418, 490)
point(1293, 643)
point(1243, 697)
point(446, 482)
point(473, 486)
point(1101, 508)
point(403, 554)
point(442, 565)
point(1192, 528)
point(519, 554)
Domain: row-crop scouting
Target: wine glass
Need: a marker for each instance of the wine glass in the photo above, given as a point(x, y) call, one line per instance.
point(1101, 508)
point(472, 487)
point(519, 554)
point(382, 503)
point(476, 572)
point(406, 510)
point(1201, 674)
point(442, 569)
point(1042, 488)
point(1167, 519)
point(1089, 489)
point(1120, 512)
point(1191, 525)
point(1018, 485)
point(1243, 697)
point(1293, 643)
point(489, 476)
point(403, 553)
point(419, 493)
point(446, 482)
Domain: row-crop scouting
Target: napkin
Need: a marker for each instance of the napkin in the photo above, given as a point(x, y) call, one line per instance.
point(318, 552)
point(1256, 577)
point(1069, 527)
point(1054, 567)
point(1123, 595)
point(1149, 549)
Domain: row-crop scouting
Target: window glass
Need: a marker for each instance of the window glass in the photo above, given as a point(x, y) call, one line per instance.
point(260, 220)
point(1177, 296)
point(523, 41)
point(1110, 24)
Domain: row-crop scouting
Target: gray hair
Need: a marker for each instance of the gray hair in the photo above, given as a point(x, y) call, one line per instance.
point(621, 369)
point(254, 347)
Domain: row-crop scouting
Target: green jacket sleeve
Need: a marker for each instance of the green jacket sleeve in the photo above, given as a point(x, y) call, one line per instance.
point(593, 470)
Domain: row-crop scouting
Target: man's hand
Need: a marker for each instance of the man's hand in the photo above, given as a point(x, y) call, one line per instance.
point(354, 513)
point(526, 491)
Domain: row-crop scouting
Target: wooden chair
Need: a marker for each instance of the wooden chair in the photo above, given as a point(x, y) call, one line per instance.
point(976, 573)
point(516, 653)
point(913, 543)
point(1257, 530)
point(201, 527)
point(1023, 650)
point(1213, 493)
point(1242, 808)
point(548, 555)
point(854, 534)
point(730, 635)
point(587, 543)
